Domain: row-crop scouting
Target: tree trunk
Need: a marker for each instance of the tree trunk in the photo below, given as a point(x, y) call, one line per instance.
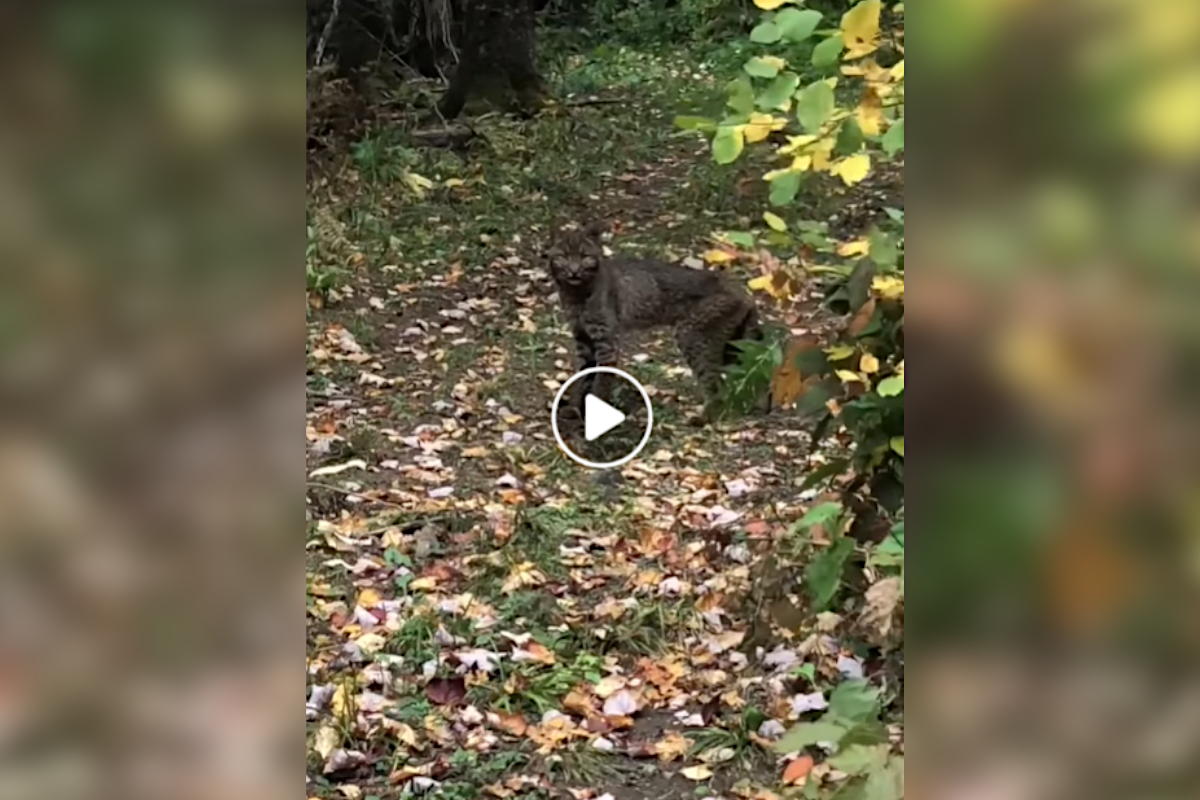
point(498, 58)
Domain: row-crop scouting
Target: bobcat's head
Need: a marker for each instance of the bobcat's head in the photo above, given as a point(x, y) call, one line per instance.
point(575, 256)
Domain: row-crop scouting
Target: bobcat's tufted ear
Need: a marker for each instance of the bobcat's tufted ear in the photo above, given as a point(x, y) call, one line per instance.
point(596, 228)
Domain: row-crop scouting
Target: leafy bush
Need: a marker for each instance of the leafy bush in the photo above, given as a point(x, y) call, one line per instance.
point(823, 127)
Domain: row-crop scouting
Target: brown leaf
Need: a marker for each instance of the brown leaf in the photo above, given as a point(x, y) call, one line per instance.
point(863, 318)
point(446, 691)
point(882, 600)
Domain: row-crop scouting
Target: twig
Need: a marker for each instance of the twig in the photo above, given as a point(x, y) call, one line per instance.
point(595, 101)
point(331, 488)
point(327, 32)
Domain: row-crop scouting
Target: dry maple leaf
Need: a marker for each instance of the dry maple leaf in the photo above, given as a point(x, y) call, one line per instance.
point(523, 575)
point(883, 599)
point(673, 746)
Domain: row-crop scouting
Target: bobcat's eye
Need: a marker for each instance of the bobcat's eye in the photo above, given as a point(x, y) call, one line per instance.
point(589, 262)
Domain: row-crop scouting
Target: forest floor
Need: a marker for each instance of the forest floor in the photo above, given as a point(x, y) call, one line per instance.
point(485, 617)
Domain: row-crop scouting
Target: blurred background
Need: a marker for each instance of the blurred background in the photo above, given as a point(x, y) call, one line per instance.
point(151, 195)
point(149, 631)
point(1054, 616)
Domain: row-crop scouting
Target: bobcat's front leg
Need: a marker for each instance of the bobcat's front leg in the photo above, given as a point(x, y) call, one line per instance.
point(596, 347)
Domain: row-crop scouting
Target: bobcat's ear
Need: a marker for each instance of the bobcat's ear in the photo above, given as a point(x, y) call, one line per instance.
point(596, 228)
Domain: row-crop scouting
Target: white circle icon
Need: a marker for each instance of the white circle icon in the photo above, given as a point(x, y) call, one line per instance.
point(600, 417)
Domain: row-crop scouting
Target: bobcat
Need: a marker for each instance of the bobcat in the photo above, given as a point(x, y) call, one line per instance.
point(606, 297)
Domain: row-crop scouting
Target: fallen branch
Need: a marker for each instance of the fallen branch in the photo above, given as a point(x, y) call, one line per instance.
point(327, 32)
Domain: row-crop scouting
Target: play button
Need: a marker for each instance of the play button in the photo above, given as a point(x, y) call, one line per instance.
point(599, 417)
point(615, 427)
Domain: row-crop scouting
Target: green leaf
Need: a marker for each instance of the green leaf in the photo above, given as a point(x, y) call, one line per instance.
point(886, 783)
point(819, 515)
point(890, 386)
point(805, 734)
point(895, 214)
point(897, 444)
point(883, 248)
point(796, 25)
point(741, 96)
point(740, 238)
point(814, 104)
point(824, 471)
point(779, 92)
point(858, 285)
point(766, 32)
point(727, 144)
point(785, 187)
point(893, 139)
point(854, 701)
point(760, 67)
point(806, 671)
point(826, 54)
point(860, 759)
point(823, 576)
point(849, 138)
point(815, 397)
point(695, 124)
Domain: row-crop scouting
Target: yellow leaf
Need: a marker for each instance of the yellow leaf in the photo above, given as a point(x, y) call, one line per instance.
point(700, 772)
point(839, 352)
point(1166, 117)
point(369, 598)
point(860, 29)
point(770, 5)
point(849, 377)
point(418, 183)
point(858, 247)
point(897, 71)
point(852, 169)
point(898, 445)
point(718, 256)
point(868, 363)
point(870, 113)
point(777, 173)
point(451, 183)
point(774, 220)
point(801, 163)
point(888, 287)
point(777, 284)
point(760, 126)
point(774, 61)
point(820, 154)
point(795, 143)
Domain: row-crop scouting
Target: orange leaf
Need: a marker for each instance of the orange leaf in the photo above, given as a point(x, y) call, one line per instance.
point(512, 723)
point(788, 384)
point(798, 770)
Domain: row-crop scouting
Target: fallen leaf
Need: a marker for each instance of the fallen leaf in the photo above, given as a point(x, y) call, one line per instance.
point(882, 600)
point(326, 741)
point(446, 691)
point(698, 773)
point(622, 704)
point(797, 771)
